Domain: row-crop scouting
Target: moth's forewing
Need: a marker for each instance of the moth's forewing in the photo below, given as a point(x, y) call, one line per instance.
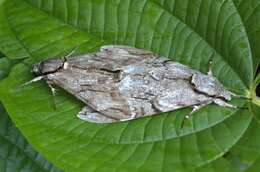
point(124, 83)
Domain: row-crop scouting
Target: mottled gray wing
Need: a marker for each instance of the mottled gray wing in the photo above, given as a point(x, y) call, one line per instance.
point(96, 88)
point(94, 78)
point(111, 57)
point(124, 83)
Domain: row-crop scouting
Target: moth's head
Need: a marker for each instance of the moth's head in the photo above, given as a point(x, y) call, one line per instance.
point(210, 85)
point(47, 67)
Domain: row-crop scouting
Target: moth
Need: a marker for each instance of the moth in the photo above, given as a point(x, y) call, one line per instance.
point(121, 83)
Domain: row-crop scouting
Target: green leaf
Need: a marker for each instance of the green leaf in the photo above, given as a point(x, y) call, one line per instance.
point(1, 55)
point(5, 66)
point(255, 167)
point(187, 31)
point(249, 11)
point(242, 157)
point(15, 153)
point(248, 148)
point(222, 165)
point(9, 42)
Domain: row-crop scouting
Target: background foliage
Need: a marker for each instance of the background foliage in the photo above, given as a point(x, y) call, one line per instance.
point(190, 32)
point(16, 154)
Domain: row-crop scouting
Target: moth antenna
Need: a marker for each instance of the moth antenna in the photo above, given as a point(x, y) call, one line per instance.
point(33, 80)
point(238, 96)
point(72, 52)
point(241, 107)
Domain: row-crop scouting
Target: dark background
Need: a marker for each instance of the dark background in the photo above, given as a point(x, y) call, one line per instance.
point(258, 86)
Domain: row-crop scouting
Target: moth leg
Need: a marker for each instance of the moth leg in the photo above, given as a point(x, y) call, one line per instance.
point(89, 114)
point(71, 53)
point(223, 103)
point(195, 109)
point(210, 64)
point(53, 91)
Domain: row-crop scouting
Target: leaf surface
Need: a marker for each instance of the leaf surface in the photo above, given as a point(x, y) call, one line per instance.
point(191, 32)
point(15, 152)
point(243, 156)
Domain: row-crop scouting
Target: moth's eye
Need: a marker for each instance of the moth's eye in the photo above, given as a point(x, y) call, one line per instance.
point(37, 69)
